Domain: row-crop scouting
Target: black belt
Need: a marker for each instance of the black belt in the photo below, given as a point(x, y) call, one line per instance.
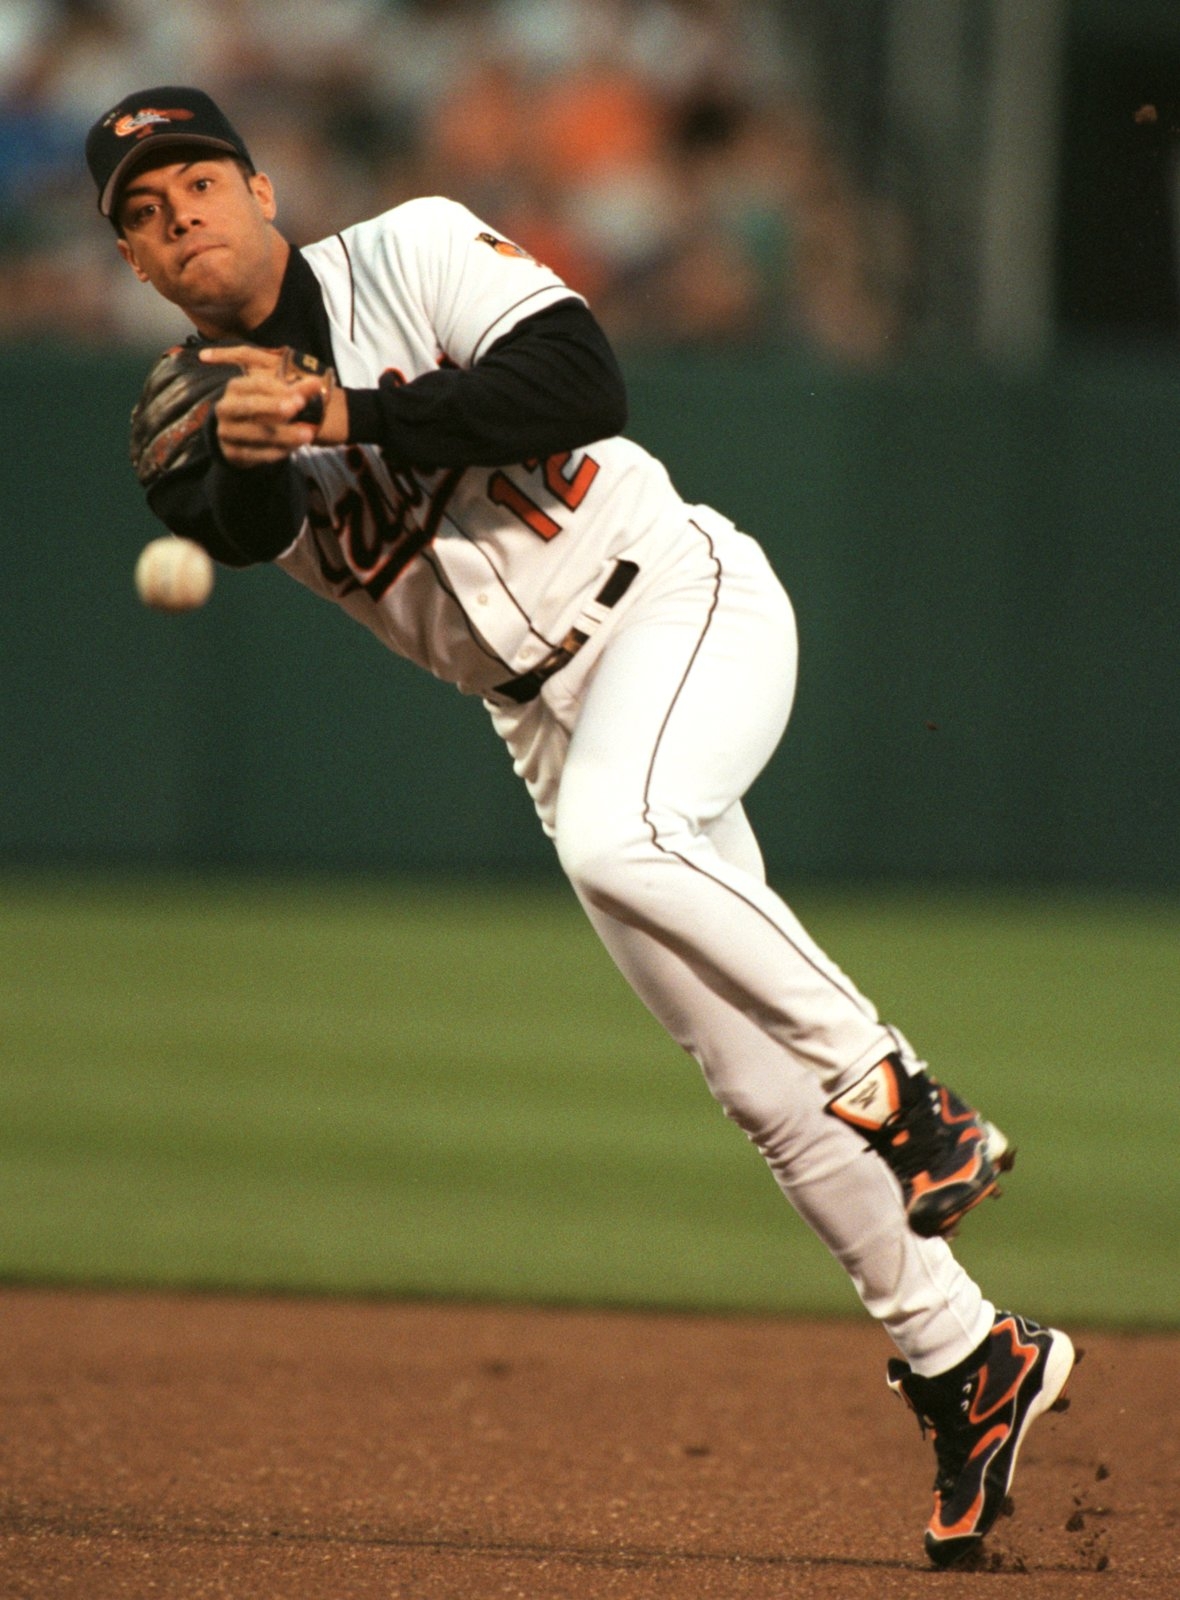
point(528, 686)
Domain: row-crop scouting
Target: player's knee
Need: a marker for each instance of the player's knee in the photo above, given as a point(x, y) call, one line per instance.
point(623, 859)
point(749, 1104)
point(605, 862)
point(601, 877)
point(768, 1093)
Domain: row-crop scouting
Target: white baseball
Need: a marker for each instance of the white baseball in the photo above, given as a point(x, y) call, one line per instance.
point(173, 574)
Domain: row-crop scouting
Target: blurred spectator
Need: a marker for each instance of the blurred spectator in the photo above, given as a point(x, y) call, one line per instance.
point(665, 156)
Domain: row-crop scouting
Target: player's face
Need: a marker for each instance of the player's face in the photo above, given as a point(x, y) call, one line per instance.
point(198, 230)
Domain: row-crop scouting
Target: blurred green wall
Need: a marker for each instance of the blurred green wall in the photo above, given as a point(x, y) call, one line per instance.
point(984, 569)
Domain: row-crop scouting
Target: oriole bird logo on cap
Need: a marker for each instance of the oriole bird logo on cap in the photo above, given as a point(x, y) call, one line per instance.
point(139, 123)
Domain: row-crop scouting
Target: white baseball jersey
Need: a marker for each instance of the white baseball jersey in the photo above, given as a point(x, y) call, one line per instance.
point(476, 573)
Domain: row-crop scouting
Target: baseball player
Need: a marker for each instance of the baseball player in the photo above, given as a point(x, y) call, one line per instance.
point(422, 424)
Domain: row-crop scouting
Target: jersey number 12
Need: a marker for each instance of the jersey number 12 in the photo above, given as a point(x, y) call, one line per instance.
point(571, 490)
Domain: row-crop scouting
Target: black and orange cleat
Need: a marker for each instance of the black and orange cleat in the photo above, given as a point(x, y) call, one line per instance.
point(979, 1413)
point(945, 1156)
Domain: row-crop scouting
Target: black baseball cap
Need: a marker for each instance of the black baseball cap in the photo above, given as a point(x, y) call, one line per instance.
point(149, 120)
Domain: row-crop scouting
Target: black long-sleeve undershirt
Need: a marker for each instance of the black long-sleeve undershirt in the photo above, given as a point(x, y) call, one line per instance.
point(552, 383)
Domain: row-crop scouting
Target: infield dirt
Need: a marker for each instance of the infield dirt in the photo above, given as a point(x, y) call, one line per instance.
point(198, 1446)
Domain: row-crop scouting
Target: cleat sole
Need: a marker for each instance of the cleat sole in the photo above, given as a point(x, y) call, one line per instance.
point(999, 1152)
point(1002, 1158)
point(1062, 1402)
point(948, 1227)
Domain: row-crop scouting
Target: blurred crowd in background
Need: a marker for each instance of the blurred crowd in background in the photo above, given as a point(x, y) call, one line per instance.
point(669, 158)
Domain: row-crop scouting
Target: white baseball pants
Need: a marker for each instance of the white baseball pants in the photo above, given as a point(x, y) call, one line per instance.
point(637, 755)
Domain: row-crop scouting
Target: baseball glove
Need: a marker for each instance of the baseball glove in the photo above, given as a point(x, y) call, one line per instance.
point(179, 393)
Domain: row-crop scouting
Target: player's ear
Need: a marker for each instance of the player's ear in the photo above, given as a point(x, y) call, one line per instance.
point(128, 255)
point(263, 191)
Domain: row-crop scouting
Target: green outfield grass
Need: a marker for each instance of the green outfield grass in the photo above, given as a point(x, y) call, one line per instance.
point(417, 1090)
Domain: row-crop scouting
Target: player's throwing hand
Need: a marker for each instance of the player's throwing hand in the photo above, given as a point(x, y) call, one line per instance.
point(273, 407)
